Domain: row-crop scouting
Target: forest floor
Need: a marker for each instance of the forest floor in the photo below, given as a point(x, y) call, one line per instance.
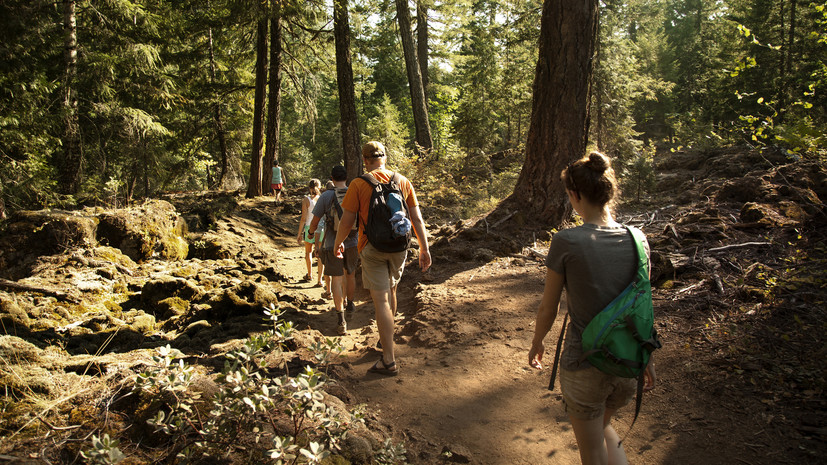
point(739, 252)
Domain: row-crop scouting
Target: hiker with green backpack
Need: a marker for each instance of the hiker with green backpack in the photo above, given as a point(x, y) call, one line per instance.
point(603, 267)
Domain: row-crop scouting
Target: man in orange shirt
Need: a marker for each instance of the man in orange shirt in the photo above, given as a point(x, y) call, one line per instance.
point(381, 271)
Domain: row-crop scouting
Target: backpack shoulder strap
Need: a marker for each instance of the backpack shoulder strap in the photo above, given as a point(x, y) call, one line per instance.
point(368, 178)
point(642, 261)
point(557, 353)
point(336, 205)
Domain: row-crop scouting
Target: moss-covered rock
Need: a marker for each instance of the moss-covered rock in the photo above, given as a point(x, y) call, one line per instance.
point(160, 289)
point(151, 230)
point(172, 306)
point(32, 234)
point(246, 297)
point(18, 351)
point(13, 319)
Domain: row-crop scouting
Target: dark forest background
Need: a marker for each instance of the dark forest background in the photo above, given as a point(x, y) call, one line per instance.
point(104, 102)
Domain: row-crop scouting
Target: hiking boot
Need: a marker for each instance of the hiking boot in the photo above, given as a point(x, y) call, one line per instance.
point(349, 307)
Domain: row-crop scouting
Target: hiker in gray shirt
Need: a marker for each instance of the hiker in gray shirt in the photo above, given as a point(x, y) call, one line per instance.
point(594, 263)
point(341, 269)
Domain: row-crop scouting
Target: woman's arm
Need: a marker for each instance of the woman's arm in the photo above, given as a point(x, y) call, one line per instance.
point(649, 377)
point(305, 205)
point(546, 314)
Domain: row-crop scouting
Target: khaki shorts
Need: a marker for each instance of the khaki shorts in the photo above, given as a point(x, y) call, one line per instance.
point(335, 266)
point(381, 270)
point(589, 392)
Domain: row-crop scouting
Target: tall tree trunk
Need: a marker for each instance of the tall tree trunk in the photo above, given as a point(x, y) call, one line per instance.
point(598, 89)
point(420, 109)
point(559, 124)
point(351, 141)
point(273, 102)
point(145, 158)
point(69, 166)
point(787, 69)
point(422, 44)
point(254, 188)
point(219, 122)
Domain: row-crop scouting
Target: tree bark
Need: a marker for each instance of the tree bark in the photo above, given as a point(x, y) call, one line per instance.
point(273, 102)
point(220, 133)
point(351, 141)
point(69, 167)
point(424, 141)
point(422, 44)
point(254, 188)
point(559, 125)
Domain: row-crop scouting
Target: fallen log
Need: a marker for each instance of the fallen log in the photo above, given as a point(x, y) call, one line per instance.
point(15, 286)
point(737, 246)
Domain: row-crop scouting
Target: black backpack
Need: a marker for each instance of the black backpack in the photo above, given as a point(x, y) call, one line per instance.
point(378, 228)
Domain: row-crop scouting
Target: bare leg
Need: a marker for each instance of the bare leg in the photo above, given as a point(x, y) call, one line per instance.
point(320, 270)
point(615, 451)
point(590, 441)
point(336, 290)
point(598, 441)
point(350, 286)
point(308, 261)
point(392, 300)
point(384, 320)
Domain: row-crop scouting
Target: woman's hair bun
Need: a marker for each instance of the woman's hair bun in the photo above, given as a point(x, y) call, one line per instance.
point(598, 162)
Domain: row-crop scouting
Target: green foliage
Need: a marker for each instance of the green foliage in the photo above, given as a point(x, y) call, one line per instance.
point(387, 127)
point(248, 401)
point(637, 173)
point(391, 453)
point(104, 451)
point(153, 77)
point(769, 116)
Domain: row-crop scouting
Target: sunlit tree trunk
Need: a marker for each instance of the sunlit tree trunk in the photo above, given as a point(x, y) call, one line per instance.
point(351, 142)
point(69, 166)
point(422, 44)
point(420, 109)
point(559, 124)
point(254, 188)
point(273, 102)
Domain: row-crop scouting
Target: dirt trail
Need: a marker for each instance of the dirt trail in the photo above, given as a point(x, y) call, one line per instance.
point(739, 265)
point(465, 393)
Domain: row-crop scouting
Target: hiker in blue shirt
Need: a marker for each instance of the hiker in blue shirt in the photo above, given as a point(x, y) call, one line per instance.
point(278, 180)
point(594, 263)
point(341, 269)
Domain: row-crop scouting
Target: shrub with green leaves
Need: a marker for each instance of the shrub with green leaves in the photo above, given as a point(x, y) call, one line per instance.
point(250, 403)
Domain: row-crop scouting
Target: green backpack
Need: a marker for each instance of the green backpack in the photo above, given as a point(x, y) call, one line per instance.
point(620, 339)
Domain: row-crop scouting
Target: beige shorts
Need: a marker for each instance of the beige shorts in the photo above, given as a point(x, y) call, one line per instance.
point(589, 392)
point(381, 270)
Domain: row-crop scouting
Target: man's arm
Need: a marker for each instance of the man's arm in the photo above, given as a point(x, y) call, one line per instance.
point(345, 225)
point(314, 223)
point(422, 238)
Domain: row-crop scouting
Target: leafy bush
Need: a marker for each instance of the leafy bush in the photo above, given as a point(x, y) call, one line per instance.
point(249, 401)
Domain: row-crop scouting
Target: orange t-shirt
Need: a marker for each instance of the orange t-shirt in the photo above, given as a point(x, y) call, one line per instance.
point(358, 195)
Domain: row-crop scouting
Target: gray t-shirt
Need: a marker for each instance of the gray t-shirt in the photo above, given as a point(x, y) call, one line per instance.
point(597, 263)
point(324, 204)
